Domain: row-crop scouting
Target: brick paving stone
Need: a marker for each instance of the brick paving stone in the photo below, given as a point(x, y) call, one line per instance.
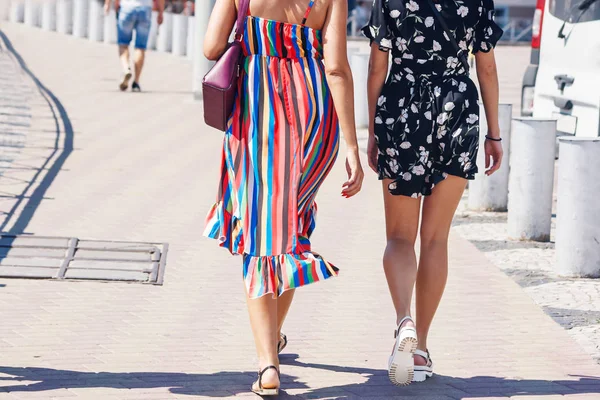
point(144, 168)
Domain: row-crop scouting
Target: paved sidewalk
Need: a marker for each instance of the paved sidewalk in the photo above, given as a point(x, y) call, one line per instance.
point(144, 167)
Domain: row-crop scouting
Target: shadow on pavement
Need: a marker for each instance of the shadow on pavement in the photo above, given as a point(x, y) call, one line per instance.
point(52, 163)
point(227, 383)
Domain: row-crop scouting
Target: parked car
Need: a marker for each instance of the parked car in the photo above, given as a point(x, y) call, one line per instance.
point(563, 79)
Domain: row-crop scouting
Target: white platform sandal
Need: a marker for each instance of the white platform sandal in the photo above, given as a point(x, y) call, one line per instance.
point(401, 363)
point(422, 372)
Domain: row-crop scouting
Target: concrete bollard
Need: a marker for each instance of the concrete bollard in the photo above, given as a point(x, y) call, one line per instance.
point(96, 21)
point(153, 35)
point(201, 65)
point(31, 14)
point(531, 179)
point(80, 18)
point(17, 11)
point(49, 15)
point(164, 41)
point(191, 37)
point(490, 193)
point(4, 10)
point(64, 16)
point(360, 69)
point(180, 28)
point(578, 208)
point(110, 27)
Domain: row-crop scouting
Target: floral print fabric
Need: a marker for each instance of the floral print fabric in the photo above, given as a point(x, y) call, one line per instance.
point(427, 118)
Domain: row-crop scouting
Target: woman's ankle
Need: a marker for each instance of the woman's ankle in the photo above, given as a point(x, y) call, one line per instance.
point(402, 319)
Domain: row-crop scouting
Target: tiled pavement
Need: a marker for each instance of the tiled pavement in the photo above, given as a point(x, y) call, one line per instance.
point(144, 167)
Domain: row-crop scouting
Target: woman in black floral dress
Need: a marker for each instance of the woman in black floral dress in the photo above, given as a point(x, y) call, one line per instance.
point(424, 133)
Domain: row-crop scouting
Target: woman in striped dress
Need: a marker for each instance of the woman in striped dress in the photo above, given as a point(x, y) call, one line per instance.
point(281, 142)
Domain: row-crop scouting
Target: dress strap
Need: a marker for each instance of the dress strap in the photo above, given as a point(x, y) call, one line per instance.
point(308, 10)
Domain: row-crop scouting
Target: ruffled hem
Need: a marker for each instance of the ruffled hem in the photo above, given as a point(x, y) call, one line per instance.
point(373, 33)
point(277, 274)
point(273, 274)
point(400, 187)
point(488, 32)
point(225, 228)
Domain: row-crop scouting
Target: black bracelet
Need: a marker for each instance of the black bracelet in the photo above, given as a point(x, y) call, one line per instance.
point(493, 139)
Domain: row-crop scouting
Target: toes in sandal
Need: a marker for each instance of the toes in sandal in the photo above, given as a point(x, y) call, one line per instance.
point(401, 363)
point(282, 343)
point(262, 391)
point(422, 372)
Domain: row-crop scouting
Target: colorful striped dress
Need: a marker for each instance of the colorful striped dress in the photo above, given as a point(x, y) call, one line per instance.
point(282, 140)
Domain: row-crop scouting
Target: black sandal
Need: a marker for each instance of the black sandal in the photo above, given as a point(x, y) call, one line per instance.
point(282, 343)
point(263, 391)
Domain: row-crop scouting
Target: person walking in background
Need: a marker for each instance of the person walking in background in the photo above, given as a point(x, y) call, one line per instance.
point(281, 142)
point(361, 14)
point(133, 15)
point(423, 143)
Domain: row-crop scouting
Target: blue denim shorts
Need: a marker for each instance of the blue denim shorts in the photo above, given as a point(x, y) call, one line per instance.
point(130, 19)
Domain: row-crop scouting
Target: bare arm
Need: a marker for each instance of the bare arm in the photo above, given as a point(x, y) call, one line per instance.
point(487, 74)
point(220, 25)
point(337, 69)
point(339, 78)
point(378, 68)
point(160, 4)
point(107, 4)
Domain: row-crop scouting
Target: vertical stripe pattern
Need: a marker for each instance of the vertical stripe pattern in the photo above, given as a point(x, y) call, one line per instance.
point(281, 142)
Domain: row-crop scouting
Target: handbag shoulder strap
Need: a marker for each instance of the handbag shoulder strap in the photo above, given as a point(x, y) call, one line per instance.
point(241, 16)
point(451, 37)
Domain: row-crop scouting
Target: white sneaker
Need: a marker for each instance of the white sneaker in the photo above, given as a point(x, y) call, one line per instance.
point(401, 363)
point(422, 372)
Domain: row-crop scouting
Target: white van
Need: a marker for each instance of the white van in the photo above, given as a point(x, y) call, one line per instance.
point(563, 79)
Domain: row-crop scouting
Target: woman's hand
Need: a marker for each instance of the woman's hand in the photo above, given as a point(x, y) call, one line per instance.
point(355, 174)
point(493, 156)
point(372, 152)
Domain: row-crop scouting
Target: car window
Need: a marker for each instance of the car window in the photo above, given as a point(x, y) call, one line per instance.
point(568, 10)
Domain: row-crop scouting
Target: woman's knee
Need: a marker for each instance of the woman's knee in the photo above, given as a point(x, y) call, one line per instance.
point(432, 240)
point(399, 244)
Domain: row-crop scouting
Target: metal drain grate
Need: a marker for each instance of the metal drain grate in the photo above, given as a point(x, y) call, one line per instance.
point(43, 257)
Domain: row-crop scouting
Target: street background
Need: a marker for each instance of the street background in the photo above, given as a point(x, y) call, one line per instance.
point(144, 167)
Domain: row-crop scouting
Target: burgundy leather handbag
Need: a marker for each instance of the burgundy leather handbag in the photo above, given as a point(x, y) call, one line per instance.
point(220, 85)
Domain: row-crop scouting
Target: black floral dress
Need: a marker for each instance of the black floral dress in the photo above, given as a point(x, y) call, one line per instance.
point(427, 118)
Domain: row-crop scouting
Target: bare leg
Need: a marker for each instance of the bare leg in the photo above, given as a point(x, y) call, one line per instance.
point(438, 211)
point(399, 259)
point(124, 56)
point(138, 62)
point(263, 319)
point(283, 306)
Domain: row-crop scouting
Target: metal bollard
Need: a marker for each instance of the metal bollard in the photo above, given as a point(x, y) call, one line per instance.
point(578, 208)
point(153, 35)
point(490, 193)
point(49, 15)
point(17, 11)
point(531, 179)
point(110, 27)
point(64, 16)
point(191, 36)
point(180, 28)
point(360, 70)
point(80, 18)
point(96, 21)
point(164, 42)
point(31, 14)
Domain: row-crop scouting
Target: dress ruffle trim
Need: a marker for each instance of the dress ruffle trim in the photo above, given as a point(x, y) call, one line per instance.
point(274, 275)
point(225, 228)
